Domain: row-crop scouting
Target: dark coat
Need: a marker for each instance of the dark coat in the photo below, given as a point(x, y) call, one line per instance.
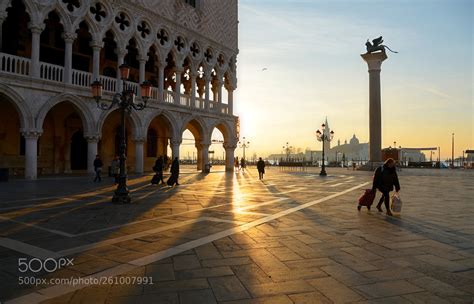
point(98, 163)
point(158, 165)
point(385, 178)
point(175, 167)
point(261, 166)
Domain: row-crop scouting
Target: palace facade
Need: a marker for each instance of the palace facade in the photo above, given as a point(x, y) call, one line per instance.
point(52, 50)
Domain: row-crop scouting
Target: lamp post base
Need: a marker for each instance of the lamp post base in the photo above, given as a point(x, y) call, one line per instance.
point(323, 172)
point(122, 195)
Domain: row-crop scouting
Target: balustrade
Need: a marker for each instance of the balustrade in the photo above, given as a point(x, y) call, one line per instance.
point(14, 64)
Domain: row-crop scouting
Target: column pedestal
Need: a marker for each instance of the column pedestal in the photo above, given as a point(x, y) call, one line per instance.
point(374, 62)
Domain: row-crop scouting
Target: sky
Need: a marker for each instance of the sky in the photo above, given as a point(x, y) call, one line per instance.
point(311, 51)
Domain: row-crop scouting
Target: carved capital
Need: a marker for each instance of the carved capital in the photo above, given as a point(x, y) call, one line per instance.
point(175, 142)
point(230, 146)
point(31, 134)
point(3, 16)
point(69, 37)
point(96, 45)
point(121, 52)
point(92, 138)
point(139, 140)
point(36, 28)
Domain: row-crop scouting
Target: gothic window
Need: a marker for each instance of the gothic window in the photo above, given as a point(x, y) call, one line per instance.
point(144, 29)
point(151, 143)
point(71, 5)
point(98, 12)
point(191, 2)
point(208, 55)
point(220, 60)
point(122, 21)
point(194, 49)
point(162, 36)
point(179, 43)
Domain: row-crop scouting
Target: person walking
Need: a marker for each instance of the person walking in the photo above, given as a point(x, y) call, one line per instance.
point(115, 168)
point(242, 164)
point(97, 168)
point(158, 168)
point(385, 178)
point(236, 164)
point(174, 173)
point(260, 168)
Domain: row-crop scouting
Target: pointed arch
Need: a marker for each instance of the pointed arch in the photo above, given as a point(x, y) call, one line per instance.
point(137, 128)
point(83, 111)
point(26, 117)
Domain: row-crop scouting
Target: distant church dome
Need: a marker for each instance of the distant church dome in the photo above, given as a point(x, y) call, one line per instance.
point(354, 140)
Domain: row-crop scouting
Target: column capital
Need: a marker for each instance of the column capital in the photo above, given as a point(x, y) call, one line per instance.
point(121, 52)
point(139, 140)
point(31, 134)
point(3, 16)
point(96, 44)
point(179, 69)
point(230, 146)
point(69, 37)
point(92, 138)
point(176, 142)
point(36, 28)
point(374, 60)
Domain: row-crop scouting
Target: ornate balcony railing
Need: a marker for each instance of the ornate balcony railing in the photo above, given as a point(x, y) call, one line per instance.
point(14, 64)
point(22, 66)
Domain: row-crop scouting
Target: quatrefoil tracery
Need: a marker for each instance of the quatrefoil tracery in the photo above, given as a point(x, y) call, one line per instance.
point(179, 43)
point(122, 21)
point(71, 5)
point(143, 29)
point(98, 12)
point(194, 49)
point(162, 36)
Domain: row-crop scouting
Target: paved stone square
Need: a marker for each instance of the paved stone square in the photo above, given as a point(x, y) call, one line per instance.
point(229, 238)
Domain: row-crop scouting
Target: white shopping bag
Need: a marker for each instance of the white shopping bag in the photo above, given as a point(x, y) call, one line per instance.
point(396, 203)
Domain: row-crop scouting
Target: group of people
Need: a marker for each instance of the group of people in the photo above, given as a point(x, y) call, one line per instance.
point(114, 168)
point(161, 164)
point(243, 165)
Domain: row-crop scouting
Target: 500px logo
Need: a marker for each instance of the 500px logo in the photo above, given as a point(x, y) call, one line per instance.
point(48, 265)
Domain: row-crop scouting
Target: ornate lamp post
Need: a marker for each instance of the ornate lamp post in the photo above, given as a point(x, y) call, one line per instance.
point(323, 137)
point(244, 144)
point(287, 149)
point(125, 102)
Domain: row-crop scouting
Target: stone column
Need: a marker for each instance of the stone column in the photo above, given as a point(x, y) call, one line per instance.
point(175, 143)
point(68, 40)
point(36, 30)
point(204, 145)
point(31, 154)
point(374, 62)
point(92, 142)
point(161, 81)
point(193, 89)
point(139, 154)
point(219, 83)
point(120, 59)
point(230, 101)
point(207, 78)
point(229, 156)
point(177, 92)
point(141, 73)
point(3, 17)
point(96, 47)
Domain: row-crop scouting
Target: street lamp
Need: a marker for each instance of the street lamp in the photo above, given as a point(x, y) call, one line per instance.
point(125, 102)
point(244, 144)
point(287, 148)
point(323, 137)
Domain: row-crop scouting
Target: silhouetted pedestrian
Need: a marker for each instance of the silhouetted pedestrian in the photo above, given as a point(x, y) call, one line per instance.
point(236, 164)
point(97, 168)
point(174, 173)
point(158, 168)
point(385, 178)
point(260, 168)
point(242, 163)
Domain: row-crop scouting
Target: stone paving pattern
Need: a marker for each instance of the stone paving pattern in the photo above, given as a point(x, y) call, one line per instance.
point(325, 253)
